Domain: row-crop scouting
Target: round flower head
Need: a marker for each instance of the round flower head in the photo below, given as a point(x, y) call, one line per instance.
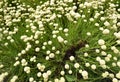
point(106, 31)
point(60, 39)
point(71, 58)
point(84, 73)
point(101, 42)
point(76, 65)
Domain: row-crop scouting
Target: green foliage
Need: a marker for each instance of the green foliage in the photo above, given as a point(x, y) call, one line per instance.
point(59, 42)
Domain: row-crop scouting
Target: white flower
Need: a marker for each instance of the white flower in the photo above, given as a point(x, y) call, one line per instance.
point(96, 24)
point(62, 72)
point(93, 67)
point(91, 19)
point(45, 75)
point(49, 42)
point(56, 80)
point(88, 33)
point(104, 66)
point(33, 27)
point(77, 15)
point(23, 52)
point(116, 51)
point(53, 17)
point(106, 23)
point(118, 75)
point(49, 72)
point(70, 1)
point(76, 65)
point(115, 58)
point(40, 67)
point(70, 71)
point(118, 24)
point(48, 52)
point(106, 31)
point(2, 76)
point(97, 51)
point(105, 74)
point(60, 39)
point(37, 49)
point(52, 2)
point(119, 10)
point(103, 47)
point(101, 28)
point(29, 46)
point(111, 75)
point(118, 63)
point(103, 53)
point(57, 52)
point(66, 66)
point(6, 44)
point(1, 66)
point(101, 42)
point(102, 62)
point(37, 42)
point(65, 30)
point(112, 5)
point(27, 69)
point(19, 54)
point(53, 48)
point(51, 55)
point(98, 58)
point(114, 80)
point(83, 16)
point(31, 79)
point(39, 74)
point(85, 77)
point(85, 54)
point(60, 28)
point(87, 46)
point(87, 64)
point(16, 63)
point(65, 41)
point(47, 58)
point(118, 42)
point(113, 48)
point(84, 73)
point(14, 78)
point(72, 58)
point(24, 62)
point(109, 55)
point(54, 36)
point(117, 35)
point(80, 71)
point(62, 79)
point(107, 59)
point(102, 18)
point(113, 64)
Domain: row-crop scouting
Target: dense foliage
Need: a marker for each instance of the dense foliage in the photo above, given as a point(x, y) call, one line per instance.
point(59, 41)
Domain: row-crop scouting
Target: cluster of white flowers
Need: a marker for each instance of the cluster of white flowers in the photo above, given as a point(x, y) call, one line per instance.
point(85, 74)
point(44, 40)
point(14, 79)
point(62, 79)
point(2, 76)
point(40, 67)
point(27, 69)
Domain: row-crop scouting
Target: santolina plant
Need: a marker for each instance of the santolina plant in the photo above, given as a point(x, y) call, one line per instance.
point(60, 41)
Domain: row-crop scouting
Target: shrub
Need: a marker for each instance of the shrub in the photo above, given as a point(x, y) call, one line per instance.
point(60, 41)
